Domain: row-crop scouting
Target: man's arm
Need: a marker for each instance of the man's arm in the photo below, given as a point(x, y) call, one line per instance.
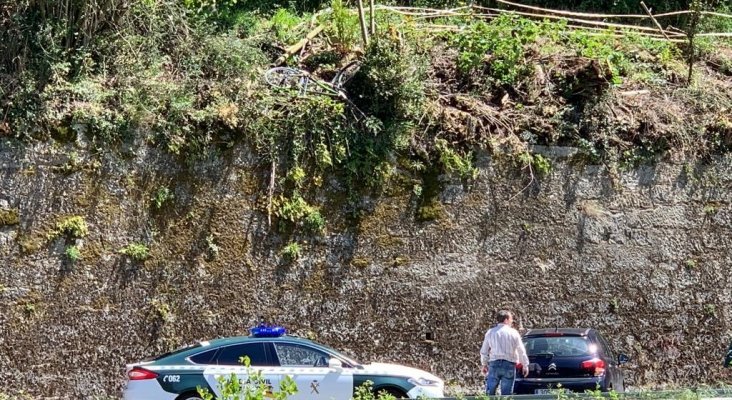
point(484, 354)
point(522, 357)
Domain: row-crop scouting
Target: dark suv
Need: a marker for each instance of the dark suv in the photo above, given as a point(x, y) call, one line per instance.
point(571, 359)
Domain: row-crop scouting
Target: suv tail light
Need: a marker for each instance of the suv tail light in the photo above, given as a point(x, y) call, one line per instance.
point(594, 366)
point(139, 374)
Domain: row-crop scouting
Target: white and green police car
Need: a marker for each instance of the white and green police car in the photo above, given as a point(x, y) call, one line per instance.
point(318, 371)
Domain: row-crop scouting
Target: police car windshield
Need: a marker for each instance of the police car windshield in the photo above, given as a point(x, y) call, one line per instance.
point(348, 359)
point(342, 356)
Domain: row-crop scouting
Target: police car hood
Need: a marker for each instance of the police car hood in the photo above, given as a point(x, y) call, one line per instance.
point(397, 370)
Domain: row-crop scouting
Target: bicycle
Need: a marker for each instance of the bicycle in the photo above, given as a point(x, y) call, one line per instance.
point(305, 83)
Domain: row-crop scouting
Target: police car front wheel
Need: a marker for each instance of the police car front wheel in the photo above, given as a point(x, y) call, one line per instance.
point(189, 396)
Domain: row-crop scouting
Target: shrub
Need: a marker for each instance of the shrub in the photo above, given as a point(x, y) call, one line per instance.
point(603, 48)
point(540, 165)
point(344, 26)
point(454, 163)
point(254, 387)
point(9, 217)
point(314, 222)
point(500, 42)
point(136, 251)
point(390, 83)
point(161, 196)
point(366, 392)
point(74, 226)
point(283, 23)
point(297, 211)
point(73, 253)
point(292, 251)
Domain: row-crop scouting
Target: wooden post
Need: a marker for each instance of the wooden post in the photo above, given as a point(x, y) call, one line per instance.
point(299, 45)
point(693, 27)
point(655, 21)
point(362, 19)
point(372, 17)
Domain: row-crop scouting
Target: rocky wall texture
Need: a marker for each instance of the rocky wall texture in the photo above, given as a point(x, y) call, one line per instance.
point(644, 256)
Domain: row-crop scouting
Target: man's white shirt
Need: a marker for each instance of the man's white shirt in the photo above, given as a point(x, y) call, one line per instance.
point(503, 343)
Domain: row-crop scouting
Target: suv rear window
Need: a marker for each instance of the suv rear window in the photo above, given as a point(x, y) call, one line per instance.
point(559, 346)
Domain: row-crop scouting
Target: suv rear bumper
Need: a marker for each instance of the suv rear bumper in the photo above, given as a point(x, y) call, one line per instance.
point(530, 385)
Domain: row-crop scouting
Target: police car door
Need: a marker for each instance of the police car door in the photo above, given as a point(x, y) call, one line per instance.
point(308, 367)
point(228, 361)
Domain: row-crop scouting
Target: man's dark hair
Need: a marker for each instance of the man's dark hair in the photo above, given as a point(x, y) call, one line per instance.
point(502, 316)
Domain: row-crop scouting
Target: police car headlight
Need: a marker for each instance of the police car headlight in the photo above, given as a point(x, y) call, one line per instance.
point(423, 382)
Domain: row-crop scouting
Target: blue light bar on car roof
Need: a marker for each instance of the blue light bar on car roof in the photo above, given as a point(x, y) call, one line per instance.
point(267, 331)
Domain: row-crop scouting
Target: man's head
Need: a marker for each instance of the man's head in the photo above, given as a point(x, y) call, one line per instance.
point(504, 317)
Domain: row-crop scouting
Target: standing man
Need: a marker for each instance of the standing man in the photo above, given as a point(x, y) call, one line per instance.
point(502, 349)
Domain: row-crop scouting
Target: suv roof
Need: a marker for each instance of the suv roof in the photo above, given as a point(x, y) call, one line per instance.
point(560, 331)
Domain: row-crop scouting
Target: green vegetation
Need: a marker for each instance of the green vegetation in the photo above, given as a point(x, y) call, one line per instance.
point(187, 77)
point(298, 212)
point(540, 165)
point(499, 47)
point(136, 251)
point(9, 217)
point(73, 253)
point(454, 163)
point(366, 392)
point(161, 196)
point(73, 227)
point(292, 251)
point(254, 388)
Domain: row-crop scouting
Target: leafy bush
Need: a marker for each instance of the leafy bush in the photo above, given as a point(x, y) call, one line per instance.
point(498, 47)
point(540, 165)
point(343, 27)
point(297, 211)
point(74, 226)
point(454, 163)
point(366, 392)
point(161, 196)
point(390, 83)
point(9, 217)
point(136, 251)
point(283, 23)
point(603, 48)
point(292, 251)
point(314, 222)
point(73, 253)
point(255, 387)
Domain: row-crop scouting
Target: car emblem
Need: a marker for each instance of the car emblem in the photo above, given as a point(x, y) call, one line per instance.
point(314, 387)
point(551, 367)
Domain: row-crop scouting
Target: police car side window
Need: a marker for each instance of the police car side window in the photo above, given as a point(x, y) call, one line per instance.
point(204, 357)
point(292, 355)
point(231, 355)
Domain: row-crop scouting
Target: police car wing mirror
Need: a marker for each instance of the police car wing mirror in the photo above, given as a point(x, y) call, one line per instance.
point(334, 363)
point(622, 359)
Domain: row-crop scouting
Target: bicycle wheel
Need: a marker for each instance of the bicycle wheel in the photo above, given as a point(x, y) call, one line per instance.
point(285, 77)
point(345, 74)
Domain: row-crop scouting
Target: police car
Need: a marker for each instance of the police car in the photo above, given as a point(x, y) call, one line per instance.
point(318, 371)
